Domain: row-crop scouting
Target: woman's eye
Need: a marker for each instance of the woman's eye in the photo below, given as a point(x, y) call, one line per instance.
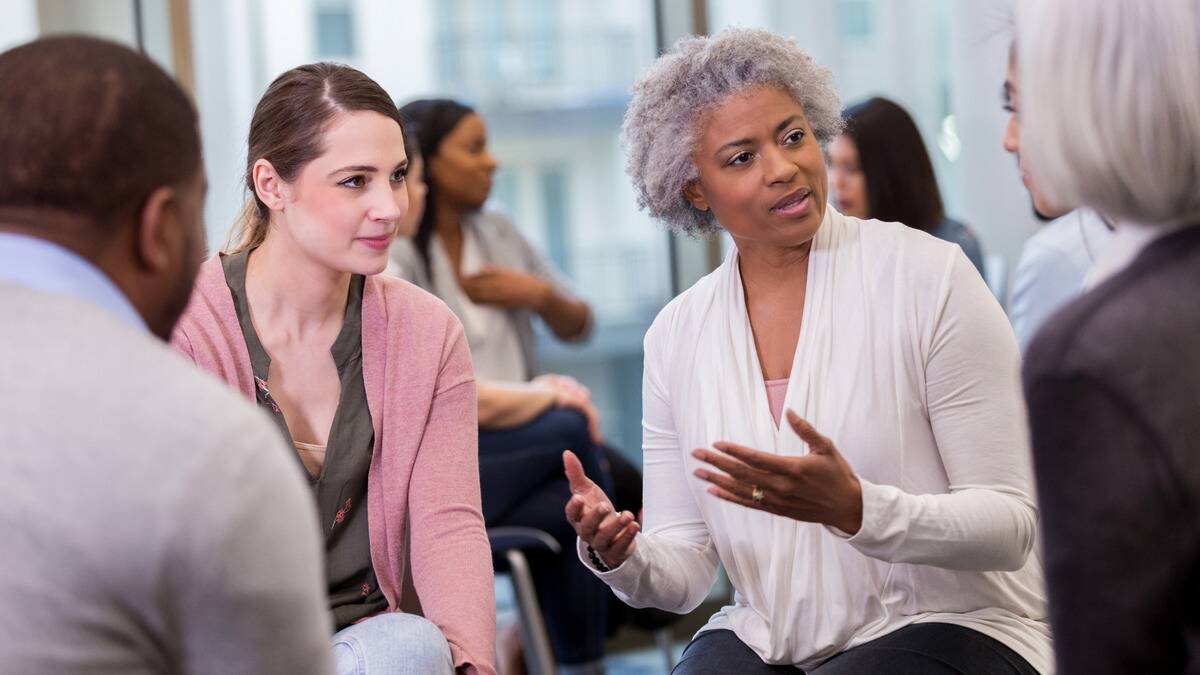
point(739, 159)
point(794, 137)
point(399, 175)
point(353, 182)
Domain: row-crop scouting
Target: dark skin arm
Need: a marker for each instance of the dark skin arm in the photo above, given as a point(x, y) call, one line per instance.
point(504, 287)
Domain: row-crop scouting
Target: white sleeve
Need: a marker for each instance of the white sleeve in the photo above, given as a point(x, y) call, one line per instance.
point(247, 581)
point(988, 520)
point(674, 563)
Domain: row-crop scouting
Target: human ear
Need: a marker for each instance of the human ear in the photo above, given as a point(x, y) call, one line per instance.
point(157, 228)
point(268, 186)
point(695, 195)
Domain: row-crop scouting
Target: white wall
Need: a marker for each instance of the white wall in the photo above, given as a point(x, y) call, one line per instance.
point(227, 69)
point(18, 23)
point(112, 19)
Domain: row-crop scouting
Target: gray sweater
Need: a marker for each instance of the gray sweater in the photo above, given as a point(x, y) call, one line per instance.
point(151, 521)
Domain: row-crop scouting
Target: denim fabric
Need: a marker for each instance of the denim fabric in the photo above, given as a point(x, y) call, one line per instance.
point(392, 643)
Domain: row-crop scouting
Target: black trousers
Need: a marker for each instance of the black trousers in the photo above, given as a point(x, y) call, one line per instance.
point(918, 649)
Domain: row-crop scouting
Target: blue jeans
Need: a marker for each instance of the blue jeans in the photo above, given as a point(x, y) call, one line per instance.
point(392, 644)
point(523, 484)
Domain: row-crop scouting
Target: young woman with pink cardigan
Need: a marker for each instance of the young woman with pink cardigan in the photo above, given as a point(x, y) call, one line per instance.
point(367, 376)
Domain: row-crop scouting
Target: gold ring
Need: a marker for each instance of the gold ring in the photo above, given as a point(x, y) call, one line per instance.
point(757, 494)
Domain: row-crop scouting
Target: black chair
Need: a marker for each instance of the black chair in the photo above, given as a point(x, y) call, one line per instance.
point(509, 545)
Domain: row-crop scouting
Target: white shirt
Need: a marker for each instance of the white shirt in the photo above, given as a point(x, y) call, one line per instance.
point(496, 352)
point(1126, 243)
point(1053, 267)
point(906, 361)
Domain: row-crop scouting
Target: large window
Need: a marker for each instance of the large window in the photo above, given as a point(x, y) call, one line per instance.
point(550, 77)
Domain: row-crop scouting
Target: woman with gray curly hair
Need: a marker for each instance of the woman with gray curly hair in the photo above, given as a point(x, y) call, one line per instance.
point(901, 537)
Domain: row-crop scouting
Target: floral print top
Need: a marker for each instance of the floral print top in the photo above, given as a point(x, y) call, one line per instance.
point(341, 486)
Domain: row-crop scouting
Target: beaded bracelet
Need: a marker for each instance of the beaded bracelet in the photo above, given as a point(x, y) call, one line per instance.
point(596, 561)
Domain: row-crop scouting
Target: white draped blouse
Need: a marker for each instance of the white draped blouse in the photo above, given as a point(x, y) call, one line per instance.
point(908, 364)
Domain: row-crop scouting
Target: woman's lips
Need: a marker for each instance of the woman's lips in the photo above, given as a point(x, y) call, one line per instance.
point(794, 206)
point(377, 243)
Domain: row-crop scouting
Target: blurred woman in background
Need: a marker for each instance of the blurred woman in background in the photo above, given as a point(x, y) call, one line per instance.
point(879, 169)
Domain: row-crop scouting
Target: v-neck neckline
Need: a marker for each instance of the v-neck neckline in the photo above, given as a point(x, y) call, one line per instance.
point(762, 402)
point(341, 350)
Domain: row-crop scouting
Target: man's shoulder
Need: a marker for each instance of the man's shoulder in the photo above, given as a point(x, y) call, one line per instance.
point(90, 369)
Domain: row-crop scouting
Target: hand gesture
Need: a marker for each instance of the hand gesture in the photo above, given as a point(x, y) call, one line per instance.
point(506, 287)
point(611, 535)
point(819, 487)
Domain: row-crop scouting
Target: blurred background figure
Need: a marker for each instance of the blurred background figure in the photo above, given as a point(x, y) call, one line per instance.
point(1110, 120)
point(480, 264)
point(879, 169)
point(476, 260)
point(1055, 261)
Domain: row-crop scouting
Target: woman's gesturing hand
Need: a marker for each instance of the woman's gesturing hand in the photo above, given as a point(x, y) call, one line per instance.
point(611, 535)
point(819, 487)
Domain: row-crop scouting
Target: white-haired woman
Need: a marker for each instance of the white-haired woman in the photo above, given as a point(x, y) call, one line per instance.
point(899, 538)
point(1111, 120)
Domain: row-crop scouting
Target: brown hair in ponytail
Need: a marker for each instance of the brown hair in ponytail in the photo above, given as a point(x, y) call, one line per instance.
point(288, 129)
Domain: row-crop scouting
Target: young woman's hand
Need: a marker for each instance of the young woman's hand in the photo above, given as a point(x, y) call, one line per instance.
point(611, 535)
point(819, 487)
point(507, 288)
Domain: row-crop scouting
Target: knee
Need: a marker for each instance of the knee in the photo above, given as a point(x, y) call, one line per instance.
point(421, 641)
point(569, 425)
point(394, 641)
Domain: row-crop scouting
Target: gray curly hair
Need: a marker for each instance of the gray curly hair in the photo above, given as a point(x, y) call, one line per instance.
point(696, 75)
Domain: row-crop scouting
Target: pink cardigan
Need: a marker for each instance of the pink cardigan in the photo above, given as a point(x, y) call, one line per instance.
point(425, 467)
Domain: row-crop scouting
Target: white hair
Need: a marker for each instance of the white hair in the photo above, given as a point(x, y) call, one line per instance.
point(1110, 105)
point(696, 75)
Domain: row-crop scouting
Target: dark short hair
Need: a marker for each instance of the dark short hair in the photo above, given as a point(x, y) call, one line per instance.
point(90, 128)
point(901, 185)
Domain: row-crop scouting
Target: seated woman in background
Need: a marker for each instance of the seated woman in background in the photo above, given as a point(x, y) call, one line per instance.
point(900, 537)
point(478, 262)
point(879, 169)
point(523, 429)
point(367, 376)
